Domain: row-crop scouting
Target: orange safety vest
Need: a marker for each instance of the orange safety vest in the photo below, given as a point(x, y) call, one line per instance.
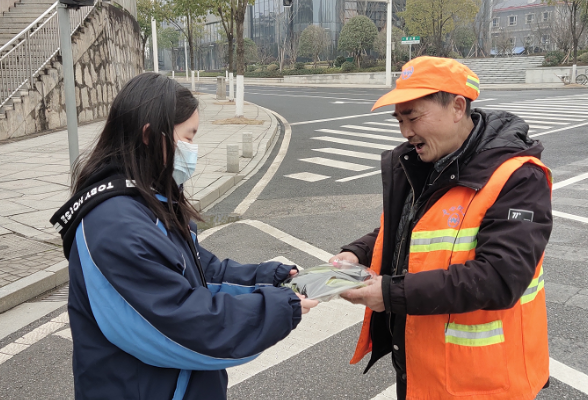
point(482, 355)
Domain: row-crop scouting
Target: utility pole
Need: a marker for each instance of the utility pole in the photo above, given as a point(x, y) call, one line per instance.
point(389, 44)
point(154, 41)
point(68, 82)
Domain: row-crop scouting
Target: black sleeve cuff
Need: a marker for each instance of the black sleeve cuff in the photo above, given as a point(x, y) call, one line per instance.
point(393, 293)
point(386, 281)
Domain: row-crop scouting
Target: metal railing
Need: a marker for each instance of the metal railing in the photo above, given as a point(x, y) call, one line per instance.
point(25, 55)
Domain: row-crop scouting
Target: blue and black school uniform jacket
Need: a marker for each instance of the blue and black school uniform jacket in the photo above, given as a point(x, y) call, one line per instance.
point(143, 324)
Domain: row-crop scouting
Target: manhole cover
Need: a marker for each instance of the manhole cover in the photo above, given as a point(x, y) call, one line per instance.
point(12, 246)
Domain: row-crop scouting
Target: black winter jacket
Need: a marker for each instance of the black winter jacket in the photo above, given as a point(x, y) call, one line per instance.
point(507, 252)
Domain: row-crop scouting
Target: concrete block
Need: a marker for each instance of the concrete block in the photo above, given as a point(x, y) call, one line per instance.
point(233, 158)
point(247, 144)
point(221, 88)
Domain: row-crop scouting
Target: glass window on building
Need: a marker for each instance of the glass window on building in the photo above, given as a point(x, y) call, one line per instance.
point(530, 19)
point(546, 15)
point(495, 22)
point(545, 39)
point(512, 20)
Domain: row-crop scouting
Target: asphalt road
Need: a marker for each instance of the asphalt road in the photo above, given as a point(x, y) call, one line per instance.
point(325, 193)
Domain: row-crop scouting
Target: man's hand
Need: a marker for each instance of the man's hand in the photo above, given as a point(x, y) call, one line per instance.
point(370, 295)
point(345, 255)
point(306, 304)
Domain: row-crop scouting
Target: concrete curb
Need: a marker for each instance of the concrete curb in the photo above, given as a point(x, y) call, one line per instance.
point(33, 285)
point(42, 281)
point(209, 195)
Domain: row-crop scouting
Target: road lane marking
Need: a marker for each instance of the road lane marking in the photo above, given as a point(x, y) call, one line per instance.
point(327, 162)
point(533, 126)
point(570, 216)
point(25, 341)
point(271, 171)
point(316, 121)
point(547, 117)
point(529, 121)
point(66, 334)
point(287, 238)
point(559, 130)
point(370, 129)
point(355, 143)
point(382, 124)
point(25, 314)
point(362, 135)
point(388, 394)
point(568, 375)
point(552, 109)
point(570, 181)
point(324, 321)
point(349, 153)
point(351, 178)
point(307, 176)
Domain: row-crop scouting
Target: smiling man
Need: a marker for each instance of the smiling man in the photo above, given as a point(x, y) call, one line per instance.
point(466, 218)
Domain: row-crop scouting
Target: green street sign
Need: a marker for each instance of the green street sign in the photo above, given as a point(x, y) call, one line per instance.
point(411, 40)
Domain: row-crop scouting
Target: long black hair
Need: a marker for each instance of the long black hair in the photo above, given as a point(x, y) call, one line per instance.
point(154, 101)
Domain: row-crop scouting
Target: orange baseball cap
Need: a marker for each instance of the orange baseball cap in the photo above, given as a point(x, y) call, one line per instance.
point(426, 75)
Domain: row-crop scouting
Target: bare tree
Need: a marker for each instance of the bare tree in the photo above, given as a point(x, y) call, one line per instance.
point(578, 20)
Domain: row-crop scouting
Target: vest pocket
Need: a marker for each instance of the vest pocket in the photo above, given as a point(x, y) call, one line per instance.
point(475, 358)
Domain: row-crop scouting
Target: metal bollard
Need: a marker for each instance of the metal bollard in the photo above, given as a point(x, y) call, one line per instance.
point(193, 83)
point(173, 74)
point(221, 88)
point(247, 145)
point(231, 87)
point(198, 72)
point(233, 158)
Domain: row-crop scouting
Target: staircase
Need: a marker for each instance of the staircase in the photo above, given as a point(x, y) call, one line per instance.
point(502, 70)
point(17, 18)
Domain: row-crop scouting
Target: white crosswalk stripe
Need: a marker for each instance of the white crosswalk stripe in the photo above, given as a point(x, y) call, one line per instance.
point(544, 116)
point(349, 153)
point(336, 164)
point(362, 135)
point(355, 143)
point(368, 128)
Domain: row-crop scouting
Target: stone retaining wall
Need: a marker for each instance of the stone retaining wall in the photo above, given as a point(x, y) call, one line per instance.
point(549, 74)
point(106, 53)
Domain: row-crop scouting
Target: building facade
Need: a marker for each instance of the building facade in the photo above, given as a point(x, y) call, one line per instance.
point(269, 24)
point(526, 26)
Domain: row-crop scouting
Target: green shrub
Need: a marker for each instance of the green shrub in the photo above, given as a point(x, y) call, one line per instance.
point(312, 71)
point(264, 74)
point(299, 66)
point(553, 58)
point(250, 68)
point(339, 61)
point(583, 58)
point(347, 66)
point(272, 67)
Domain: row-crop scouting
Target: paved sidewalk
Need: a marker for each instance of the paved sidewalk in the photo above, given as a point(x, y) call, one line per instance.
point(34, 183)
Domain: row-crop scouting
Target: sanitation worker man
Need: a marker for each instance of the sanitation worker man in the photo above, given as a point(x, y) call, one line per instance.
point(466, 218)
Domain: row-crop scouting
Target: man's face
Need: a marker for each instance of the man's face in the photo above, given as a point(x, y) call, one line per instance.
point(429, 127)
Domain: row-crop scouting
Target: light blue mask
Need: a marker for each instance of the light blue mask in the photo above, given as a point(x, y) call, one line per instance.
point(185, 158)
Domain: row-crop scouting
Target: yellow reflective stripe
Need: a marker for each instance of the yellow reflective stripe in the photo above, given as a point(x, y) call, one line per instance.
point(474, 335)
point(445, 232)
point(444, 239)
point(423, 248)
point(477, 89)
point(473, 78)
point(536, 285)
